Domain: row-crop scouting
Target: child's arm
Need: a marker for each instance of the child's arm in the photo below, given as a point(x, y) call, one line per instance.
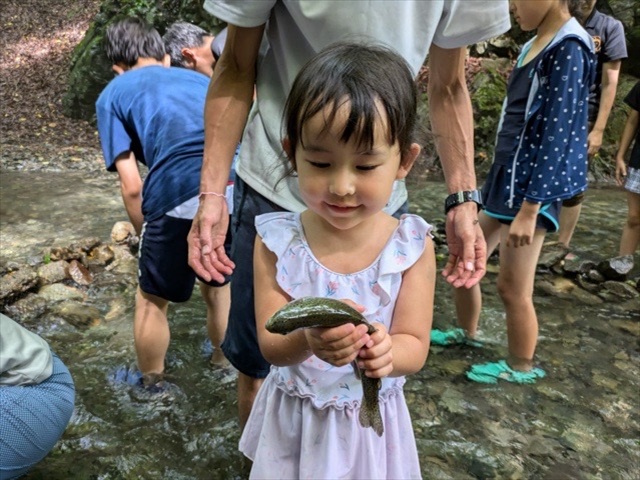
point(404, 349)
point(523, 227)
point(131, 188)
point(338, 345)
point(628, 134)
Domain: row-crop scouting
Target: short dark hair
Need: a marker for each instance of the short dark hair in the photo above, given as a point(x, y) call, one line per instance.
point(182, 35)
point(363, 74)
point(132, 38)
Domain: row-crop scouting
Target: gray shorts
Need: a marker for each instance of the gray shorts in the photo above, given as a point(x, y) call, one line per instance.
point(632, 183)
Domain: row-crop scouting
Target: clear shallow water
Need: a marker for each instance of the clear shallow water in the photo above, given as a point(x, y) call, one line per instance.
point(582, 421)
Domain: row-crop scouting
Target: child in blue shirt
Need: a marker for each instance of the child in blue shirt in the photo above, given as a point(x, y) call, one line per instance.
point(153, 114)
point(539, 160)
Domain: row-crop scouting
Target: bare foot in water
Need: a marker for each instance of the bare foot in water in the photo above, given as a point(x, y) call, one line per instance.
point(218, 359)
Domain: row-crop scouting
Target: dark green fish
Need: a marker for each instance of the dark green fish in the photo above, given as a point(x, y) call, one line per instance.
point(308, 312)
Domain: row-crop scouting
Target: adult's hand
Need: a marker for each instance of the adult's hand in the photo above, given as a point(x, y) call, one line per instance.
point(206, 238)
point(467, 261)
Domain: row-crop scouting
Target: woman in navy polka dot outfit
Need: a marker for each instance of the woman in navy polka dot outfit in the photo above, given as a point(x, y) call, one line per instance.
point(540, 159)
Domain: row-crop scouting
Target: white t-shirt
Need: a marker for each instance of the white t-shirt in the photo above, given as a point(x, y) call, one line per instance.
point(25, 358)
point(297, 30)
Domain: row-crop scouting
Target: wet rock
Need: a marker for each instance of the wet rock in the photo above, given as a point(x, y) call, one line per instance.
point(118, 310)
point(585, 283)
point(17, 282)
point(59, 292)
point(616, 268)
point(122, 232)
point(552, 253)
point(85, 245)
point(124, 261)
point(633, 327)
point(100, 256)
point(564, 288)
point(27, 308)
point(67, 253)
point(52, 272)
point(77, 314)
point(578, 265)
point(618, 290)
point(79, 273)
point(595, 276)
point(543, 447)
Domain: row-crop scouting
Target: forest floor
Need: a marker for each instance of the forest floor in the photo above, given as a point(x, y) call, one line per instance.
point(36, 45)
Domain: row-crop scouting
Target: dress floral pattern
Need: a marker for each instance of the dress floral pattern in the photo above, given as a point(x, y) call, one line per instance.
point(302, 403)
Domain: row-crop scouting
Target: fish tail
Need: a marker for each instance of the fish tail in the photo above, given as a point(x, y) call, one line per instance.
point(370, 418)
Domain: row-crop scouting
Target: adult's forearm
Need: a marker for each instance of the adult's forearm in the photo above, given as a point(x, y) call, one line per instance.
point(226, 111)
point(451, 118)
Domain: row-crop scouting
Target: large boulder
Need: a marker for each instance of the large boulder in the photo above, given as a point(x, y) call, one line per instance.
point(90, 68)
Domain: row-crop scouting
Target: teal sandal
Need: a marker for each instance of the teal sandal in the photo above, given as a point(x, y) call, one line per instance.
point(494, 371)
point(455, 336)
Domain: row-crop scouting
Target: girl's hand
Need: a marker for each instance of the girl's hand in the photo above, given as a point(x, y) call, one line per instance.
point(376, 358)
point(523, 226)
point(338, 345)
point(621, 171)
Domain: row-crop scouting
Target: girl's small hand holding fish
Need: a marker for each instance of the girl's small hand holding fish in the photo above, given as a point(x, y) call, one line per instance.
point(377, 358)
point(339, 345)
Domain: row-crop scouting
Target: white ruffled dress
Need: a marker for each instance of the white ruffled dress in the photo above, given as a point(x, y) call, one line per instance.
point(304, 422)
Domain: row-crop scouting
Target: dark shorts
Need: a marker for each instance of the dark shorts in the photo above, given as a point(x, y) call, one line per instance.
point(163, 268)
point(495, 205)
point(240, 345)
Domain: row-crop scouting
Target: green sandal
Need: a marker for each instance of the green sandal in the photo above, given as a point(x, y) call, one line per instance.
point(494, 371)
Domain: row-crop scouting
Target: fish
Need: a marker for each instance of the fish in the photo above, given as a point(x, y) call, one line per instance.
point(310, 312)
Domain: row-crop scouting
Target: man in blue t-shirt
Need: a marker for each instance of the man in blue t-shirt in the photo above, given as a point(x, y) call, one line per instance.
point(611, 48)
point(153, 114)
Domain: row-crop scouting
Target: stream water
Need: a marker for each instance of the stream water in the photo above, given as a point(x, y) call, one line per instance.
point(581, 422)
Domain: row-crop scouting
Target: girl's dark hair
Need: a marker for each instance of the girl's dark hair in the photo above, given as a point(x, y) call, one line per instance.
point(132, 38)
point(360, 74)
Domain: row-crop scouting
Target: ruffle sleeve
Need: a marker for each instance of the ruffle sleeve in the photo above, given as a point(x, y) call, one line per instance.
point(404, 249)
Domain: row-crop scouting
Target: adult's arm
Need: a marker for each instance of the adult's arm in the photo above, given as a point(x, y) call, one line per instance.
point(131, 188)
point(226, 110)
point(451, 117)
point(609, 85)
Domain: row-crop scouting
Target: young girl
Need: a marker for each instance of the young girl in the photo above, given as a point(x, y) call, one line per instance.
point(629, 178)
point(540, 159)
point(349, 119)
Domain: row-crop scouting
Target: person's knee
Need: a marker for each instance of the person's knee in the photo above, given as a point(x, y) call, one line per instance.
point(144, 299)
point(574, 201)
point(214, 297)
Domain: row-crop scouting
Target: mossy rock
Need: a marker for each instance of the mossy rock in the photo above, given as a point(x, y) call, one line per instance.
point(90, 68)
point(488, 89)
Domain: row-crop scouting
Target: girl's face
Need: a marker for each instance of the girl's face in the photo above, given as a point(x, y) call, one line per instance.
point(346, 183)
point(530, 13)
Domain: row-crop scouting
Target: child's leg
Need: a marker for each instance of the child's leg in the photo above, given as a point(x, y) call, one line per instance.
point(150, 332)
point(515, 286)
point(469, 301)
point(631, 230)
point(218, 300)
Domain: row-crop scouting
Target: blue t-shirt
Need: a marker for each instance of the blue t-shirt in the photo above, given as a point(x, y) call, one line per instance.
point(158, 113)
point(610, 44)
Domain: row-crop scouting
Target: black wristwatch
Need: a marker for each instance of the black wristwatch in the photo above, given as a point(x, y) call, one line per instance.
point(457, 198)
